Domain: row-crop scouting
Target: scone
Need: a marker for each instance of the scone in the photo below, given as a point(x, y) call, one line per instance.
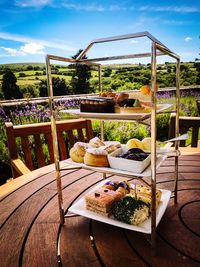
point(134, 143)
point(146, 142)
point(77, 152)
point(111, 146)
point(96, 142)
point(96, 157)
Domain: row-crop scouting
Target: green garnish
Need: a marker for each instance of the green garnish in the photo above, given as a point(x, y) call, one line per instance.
point(137, 104)
point(125, 207)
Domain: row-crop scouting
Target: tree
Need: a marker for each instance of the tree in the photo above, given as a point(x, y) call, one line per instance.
point(22, 74)
point(29, 67)
point(10, 88)
point(59, 87)
point(80, 81)
point(43, 88)
point(107, 72)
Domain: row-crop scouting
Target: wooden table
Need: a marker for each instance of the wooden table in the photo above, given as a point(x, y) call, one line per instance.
point(29, 222)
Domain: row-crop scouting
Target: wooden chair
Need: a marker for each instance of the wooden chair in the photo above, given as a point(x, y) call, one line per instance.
point(33, 139)
point(185, 124)
point(198, 105)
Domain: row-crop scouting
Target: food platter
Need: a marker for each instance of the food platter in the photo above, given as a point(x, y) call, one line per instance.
point(115, 116)
point(145, 173)
point(145, 227)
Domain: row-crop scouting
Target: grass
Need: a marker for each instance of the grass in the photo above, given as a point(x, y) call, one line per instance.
point(27, 82)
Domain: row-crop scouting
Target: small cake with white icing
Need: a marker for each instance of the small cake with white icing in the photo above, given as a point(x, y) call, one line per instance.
point(96, 142)
point(96, 157)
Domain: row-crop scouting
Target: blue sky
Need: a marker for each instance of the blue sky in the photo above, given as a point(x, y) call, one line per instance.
point(29, 29)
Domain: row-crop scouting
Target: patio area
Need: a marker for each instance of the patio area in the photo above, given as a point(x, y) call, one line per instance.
point(30, 230)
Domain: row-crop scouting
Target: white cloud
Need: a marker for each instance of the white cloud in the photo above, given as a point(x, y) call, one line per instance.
point(134, 41)
point(177, 9)
point(28, 48)
point(32, 48)
point(33, 3)
point(188, 39)
point(177, 22)
point(12, 51)
point(80, 7)
point(93, 6)
point(25, 39)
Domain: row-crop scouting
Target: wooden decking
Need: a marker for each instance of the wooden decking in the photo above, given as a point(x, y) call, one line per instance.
point(30, 228)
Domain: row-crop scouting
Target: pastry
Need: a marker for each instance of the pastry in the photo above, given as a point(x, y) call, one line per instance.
point(145, 96)
point(111, 146)
point(146, 190)
point(132, 105)
point(77, 152)
point(123, 188)
point(144, 193)
point(97, 105)
point(101, 200)
point(96, 142)
point(146, 142)
point(111, 185)
point(120, 97)
point(108, 94)
point(134, 110)
point(134, 142)
point(145, 90)
point(96, 157)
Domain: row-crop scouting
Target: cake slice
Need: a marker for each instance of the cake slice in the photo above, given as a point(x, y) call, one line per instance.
point(101, 200)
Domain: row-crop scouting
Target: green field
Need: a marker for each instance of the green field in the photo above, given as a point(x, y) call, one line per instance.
point(115, 77)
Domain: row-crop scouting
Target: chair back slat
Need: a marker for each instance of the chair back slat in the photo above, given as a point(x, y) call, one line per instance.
point(49, 142)
point(80, 135)
point(195, 133)
point(39, 151)
point(71, 138)
point(62, 146)
point(89, 131)
point(11, 140)
point(198, 105)
point(27, 152)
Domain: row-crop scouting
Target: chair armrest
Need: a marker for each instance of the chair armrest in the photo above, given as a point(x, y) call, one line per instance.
point(19, 166)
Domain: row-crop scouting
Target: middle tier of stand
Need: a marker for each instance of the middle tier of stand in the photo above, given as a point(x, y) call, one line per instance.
point(145, 173)
point(116, 116)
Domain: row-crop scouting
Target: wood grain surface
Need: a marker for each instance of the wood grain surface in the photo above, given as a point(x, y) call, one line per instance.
point(30, 230)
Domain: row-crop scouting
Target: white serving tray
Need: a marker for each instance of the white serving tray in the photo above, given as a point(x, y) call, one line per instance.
point(145, 173)
point(115, 116)
point(127, 164)
point(145, 227)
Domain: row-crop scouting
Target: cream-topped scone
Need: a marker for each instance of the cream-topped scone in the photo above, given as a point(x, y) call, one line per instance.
point(96, 142)
point(96, 157)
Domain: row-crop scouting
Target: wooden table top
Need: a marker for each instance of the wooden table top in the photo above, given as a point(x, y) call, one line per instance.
point(30, 227)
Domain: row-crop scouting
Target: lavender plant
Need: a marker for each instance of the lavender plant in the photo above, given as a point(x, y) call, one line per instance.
point(34, 113)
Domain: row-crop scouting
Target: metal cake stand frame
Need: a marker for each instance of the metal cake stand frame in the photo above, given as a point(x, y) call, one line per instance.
point(157, 49)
